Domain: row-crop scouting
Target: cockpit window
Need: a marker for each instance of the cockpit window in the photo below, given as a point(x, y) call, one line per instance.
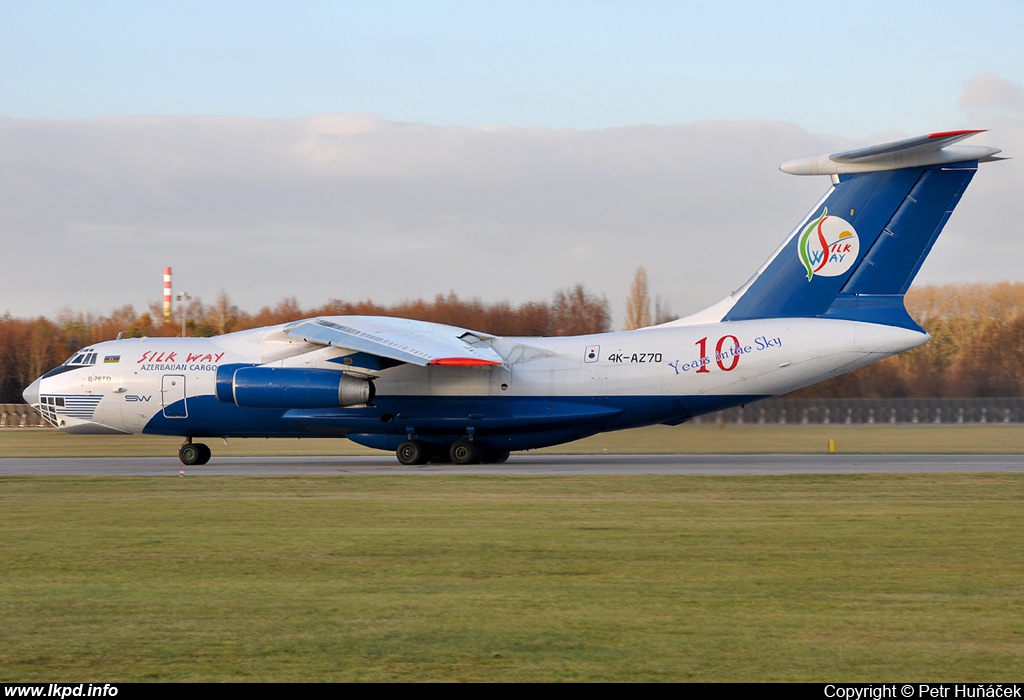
point(82, 358)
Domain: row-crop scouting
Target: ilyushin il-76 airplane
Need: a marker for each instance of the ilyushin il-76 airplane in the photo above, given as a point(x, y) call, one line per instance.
point(829, 300)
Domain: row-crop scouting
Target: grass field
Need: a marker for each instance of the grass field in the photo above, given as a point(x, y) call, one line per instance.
point(687, 439)
point(494, 578)
point(491, 578)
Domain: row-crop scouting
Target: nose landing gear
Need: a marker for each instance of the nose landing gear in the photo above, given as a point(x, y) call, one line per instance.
point(192, 453)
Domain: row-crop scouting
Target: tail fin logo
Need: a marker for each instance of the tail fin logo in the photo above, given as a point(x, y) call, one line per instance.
point(828, 246)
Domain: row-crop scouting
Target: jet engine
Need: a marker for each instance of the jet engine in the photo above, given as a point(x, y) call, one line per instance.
point(289, 387)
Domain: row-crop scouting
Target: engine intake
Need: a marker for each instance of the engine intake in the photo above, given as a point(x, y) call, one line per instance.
point(289, 387)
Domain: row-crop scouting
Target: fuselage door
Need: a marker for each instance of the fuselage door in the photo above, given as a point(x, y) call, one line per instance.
point(172, 396)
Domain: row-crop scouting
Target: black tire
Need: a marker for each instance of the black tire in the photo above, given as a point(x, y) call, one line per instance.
point(190, 454)
point(494, 457)
point(464, 452)
point(411, 452)
point(204, 453)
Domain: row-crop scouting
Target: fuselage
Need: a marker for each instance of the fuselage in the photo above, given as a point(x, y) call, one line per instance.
point(547, 391)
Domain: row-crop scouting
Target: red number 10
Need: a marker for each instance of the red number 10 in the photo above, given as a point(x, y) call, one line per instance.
point(702, 344)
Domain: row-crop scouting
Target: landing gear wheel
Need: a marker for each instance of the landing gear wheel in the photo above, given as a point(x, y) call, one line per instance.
point(411, 452)
point(492, 457)
point(189, 454)
point(192, 453)
point(464, 452)
point(205, 453)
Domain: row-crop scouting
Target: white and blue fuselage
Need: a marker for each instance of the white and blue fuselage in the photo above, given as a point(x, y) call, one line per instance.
point(547, 390)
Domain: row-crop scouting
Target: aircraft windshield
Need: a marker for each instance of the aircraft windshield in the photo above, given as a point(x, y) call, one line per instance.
point(82, 358)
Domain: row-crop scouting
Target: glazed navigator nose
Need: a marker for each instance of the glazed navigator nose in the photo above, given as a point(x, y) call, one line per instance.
point(31, 393)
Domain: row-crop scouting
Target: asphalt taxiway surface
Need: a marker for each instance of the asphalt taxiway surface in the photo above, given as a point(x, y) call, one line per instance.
point(527, 464)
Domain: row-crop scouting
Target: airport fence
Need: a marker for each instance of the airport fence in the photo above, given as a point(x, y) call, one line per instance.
point(779, 411)
point(872, 411)
point(20, 415)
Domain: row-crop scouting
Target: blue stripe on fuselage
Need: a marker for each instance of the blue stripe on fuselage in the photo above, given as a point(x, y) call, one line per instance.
point(443, 415)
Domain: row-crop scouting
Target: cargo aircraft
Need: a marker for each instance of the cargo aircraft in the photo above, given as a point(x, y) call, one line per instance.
point(829, 300)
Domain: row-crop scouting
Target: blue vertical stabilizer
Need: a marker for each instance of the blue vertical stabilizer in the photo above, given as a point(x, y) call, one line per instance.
point(857, 253)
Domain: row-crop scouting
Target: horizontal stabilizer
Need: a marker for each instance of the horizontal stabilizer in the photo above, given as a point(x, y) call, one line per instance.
point(931, 149)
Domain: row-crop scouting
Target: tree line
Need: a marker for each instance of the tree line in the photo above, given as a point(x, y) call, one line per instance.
point(30, 347)
point(977, 346)
point(976, 350)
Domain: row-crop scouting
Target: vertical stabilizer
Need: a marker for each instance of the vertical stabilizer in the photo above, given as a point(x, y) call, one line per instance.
point(858, 251)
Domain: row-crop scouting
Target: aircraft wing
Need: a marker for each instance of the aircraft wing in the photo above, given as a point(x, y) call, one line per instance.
point(400, 339)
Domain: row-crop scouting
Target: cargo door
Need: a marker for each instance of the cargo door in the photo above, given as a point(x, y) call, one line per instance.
point(172, 396)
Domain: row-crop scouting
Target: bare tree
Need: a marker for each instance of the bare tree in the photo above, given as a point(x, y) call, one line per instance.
point(575, 312)
point(638, 305)
point(662, 312)
point(226, 313)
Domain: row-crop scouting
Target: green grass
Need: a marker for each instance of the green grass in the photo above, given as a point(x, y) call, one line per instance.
point(688, 439)
point(491, 578)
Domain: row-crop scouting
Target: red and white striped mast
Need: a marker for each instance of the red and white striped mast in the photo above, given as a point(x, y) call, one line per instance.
point(167, 295)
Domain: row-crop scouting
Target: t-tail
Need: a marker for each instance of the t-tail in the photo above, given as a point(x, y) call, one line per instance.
point(857, 252)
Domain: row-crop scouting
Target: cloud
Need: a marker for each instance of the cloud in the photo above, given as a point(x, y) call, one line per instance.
point(981, 242)
point(353, 206)
point(988, 95)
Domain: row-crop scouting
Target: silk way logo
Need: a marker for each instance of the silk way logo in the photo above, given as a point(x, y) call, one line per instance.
point(829, 246)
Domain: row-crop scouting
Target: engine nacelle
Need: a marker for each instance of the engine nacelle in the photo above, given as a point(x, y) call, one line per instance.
point(289, 387)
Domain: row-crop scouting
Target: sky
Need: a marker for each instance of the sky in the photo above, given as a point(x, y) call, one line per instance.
point(500, 150)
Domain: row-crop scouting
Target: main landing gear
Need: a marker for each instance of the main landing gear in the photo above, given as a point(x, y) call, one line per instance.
point(192, 453)
point(411, 452)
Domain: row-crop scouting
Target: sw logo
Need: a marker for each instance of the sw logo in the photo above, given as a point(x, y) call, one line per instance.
point(135, 397)
point(829, 246)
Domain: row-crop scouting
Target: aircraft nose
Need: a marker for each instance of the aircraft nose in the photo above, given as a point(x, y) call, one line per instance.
point(31, 393)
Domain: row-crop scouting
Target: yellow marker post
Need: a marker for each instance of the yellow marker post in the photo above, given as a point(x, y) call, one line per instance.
point(831, 446)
